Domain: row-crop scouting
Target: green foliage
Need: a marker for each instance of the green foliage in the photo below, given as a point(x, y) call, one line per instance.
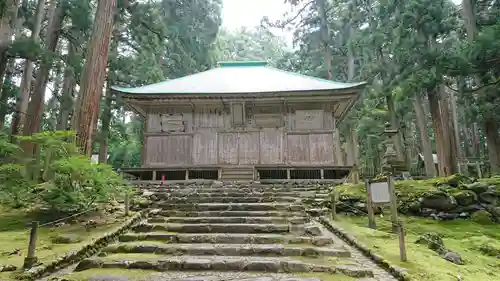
point(70, 182)
point(15, 188)
point(77, 185)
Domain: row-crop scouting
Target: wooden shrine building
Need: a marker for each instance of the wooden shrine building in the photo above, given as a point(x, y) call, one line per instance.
point(242, 121)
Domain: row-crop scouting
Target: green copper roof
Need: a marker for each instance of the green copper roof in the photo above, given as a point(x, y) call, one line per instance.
point(240, 77)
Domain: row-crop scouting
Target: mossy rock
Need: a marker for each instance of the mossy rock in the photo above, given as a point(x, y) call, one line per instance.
point(482, 217)
point(66, 239)
point(455, 180)
point(432, 240)
point(489, 249)
point(488, 197)
point(466, 197)
point(477, 187)
point(439, 201)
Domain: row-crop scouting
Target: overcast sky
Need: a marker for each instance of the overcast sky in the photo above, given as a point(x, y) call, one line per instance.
point(237, 13)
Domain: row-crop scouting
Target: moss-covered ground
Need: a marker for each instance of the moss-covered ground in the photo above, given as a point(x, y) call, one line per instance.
point(479, 246)
point(14, 234)
point(136, 275)
point(418, 187)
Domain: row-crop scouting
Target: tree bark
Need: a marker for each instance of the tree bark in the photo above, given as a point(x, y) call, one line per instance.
point(430, 168)
point(448, 131)
point(24, 90)
point(8, 20)
point(105, 122)
point(491, 130)
point(470, 19)
point(4, 109)
point(37, 102)
point(437, 120)
point(68, 90)
point(94, 74)
point(325, 37)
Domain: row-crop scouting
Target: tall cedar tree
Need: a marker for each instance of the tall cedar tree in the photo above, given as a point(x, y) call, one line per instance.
point(94, 74)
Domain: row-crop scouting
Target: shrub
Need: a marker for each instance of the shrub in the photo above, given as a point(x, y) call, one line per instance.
point(77, 184)
point(59, 178)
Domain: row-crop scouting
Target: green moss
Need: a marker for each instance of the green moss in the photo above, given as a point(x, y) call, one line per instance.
point(482, 217)
point(464, 237)
point(411, 190)
point(133, 275)
point(14, 234)
point(136, 274)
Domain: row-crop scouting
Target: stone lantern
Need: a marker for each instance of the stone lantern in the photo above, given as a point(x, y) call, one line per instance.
point(392, 161)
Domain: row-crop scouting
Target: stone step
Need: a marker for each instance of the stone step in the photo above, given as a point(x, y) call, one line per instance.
point(213, 228)
point(268, 250)
point(219, 263)
point(233, 189)
point(231, 238)
point(220, 199)
point(195, 194)
point(268, 220)
point(231, 207)
point(175, 213)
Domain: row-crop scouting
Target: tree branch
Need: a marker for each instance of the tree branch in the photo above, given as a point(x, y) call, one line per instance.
point(476, 89)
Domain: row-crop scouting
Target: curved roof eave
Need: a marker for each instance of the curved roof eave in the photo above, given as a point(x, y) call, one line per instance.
point(239, 78)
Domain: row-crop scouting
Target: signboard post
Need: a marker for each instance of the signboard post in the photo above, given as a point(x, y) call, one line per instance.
point(381, 193)
point(385, 192)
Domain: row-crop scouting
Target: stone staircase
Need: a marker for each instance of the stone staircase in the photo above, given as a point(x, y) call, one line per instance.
point(221, 231)
point(238, 174)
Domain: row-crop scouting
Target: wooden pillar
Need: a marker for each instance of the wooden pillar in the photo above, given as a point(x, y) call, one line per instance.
point(322, 173)
point(144, 143)
point(287, 174)
point(339, 159)
point(355, 156)
point(154, 175)
point(186, 176)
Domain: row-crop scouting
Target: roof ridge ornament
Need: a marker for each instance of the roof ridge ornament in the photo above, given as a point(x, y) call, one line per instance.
point(241, 63)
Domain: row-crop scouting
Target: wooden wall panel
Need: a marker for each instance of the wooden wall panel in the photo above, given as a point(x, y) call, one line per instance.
point(321, 148)
point(210, 118)
point(271, 146)
point(248, 148)
point(154, 123)
point(169, 150)
point(268, 120)
point(298, 149)
point(228, 148)
point(205, 147)
point(308, 119)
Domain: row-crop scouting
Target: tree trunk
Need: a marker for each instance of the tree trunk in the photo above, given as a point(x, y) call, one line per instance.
point(448, 130)
point(37, 102)
point(8, 20)
point(68, 90)
point(470, 19)
point(491, 130)
point(105, 120)
point(7, 82)
point(325, 37)
point(94, 74)
point(430, 169)
point(24, 90)
point(437, 121)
